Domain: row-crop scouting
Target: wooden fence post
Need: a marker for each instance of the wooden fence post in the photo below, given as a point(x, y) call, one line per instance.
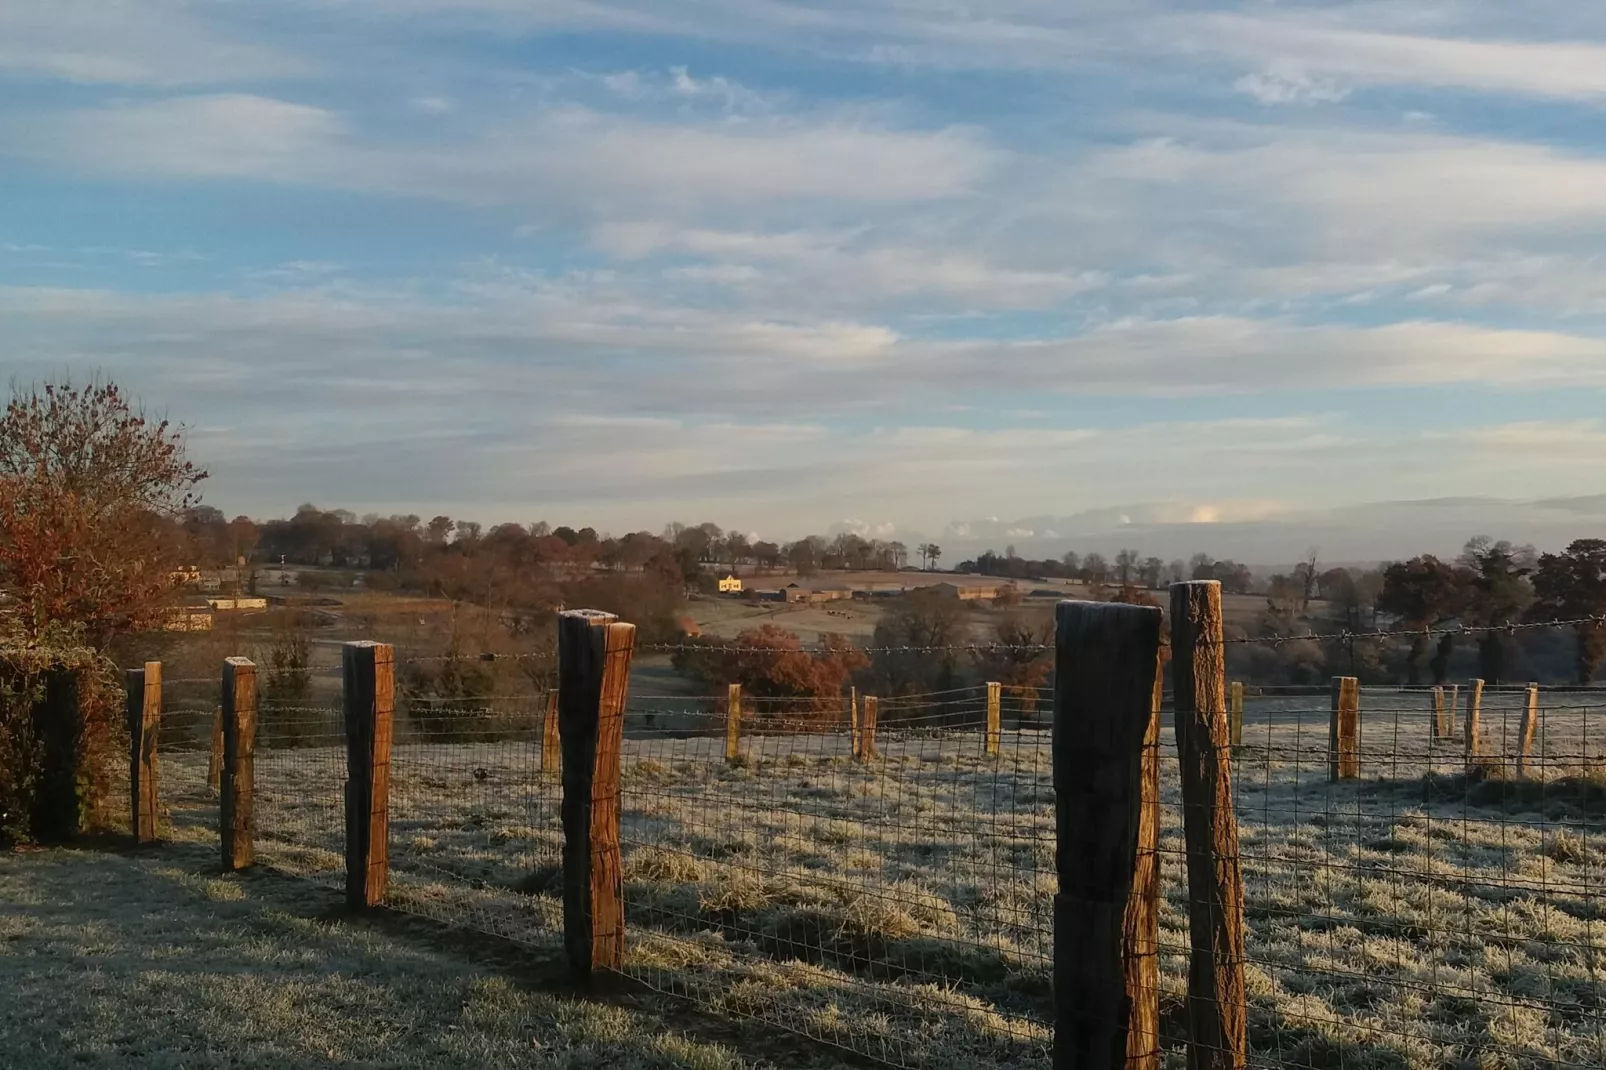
point(995, 716)
point(853, 722)
point(1217, 999)
point(214, 753)
point(1236, 713)
point(733, 722)
point(867, 723)
point(368, 693)
point(144, 723)
point(237, 774)
point(58, 725)
point(1525, 740)
point(1344, 730)
point(1438, 713)
point(1106, 783)
point(594, 652)
point(551, 741)
point(1473, 726)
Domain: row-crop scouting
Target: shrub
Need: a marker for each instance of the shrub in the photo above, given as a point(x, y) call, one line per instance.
point(43, 800)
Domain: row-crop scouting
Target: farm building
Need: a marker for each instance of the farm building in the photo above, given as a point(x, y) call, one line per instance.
point(980, 592)
point(730, 585)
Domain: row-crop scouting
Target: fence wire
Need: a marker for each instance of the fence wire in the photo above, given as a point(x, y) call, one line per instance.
point(898, 905)
point(300, 774)
point(189, 749)
point(476, 836)
point(1440, 909)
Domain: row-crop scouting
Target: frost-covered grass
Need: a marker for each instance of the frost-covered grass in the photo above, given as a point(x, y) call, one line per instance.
point(901, 907)
point(117, 960)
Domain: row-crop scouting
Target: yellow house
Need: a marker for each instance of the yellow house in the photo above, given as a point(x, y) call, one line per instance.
point(730, 585)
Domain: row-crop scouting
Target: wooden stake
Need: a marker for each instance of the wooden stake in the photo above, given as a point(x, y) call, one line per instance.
point(1236, 713)
point(853, 722)
point(214, 754)
point(1530, 721)
point(1217, 1001)
point(1106, 783)
point(1344, 730)
point(594, 652)
point(733, 722)
point(995, 716)
point(867, 723)
point(237, 779)
point(1473, 726)
point(144, 709)
point(1452, 700)
point(369, 695)
point(1440, 731)
point(551, 745)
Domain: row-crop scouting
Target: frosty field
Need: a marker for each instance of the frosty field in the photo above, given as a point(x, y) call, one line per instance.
point(901, 907)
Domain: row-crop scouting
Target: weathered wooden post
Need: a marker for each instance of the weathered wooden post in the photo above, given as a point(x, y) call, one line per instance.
point(1525, 740)
point(1217, 999)
point(368, 692)
point(733, 722)
point(1344, 730)
point(58, 726)
point(1474, 727)
point(1236, 713)
point(237, 775)
point(867, 723)
point(1106, 784)
point(144, 710)
point(1440, 730)
point(995, 716)
point(594, 653)
point(853, 722)
point(551, 745)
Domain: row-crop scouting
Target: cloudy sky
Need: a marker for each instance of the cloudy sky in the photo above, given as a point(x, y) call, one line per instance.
point(782, 263)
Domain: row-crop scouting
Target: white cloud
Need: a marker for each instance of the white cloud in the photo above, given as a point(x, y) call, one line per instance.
point(1566, 69)
point(567, 152)
point(148, 42)
point(1287, 84)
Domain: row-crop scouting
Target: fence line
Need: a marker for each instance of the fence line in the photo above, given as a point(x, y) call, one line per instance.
point(880, 872)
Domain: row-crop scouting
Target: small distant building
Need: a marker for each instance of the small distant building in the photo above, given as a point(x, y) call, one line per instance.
point(730, 585)
point(185, 619)
point(237, 603)
point(979, 592)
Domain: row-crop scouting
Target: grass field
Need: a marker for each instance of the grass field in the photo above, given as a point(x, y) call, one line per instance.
point(901, 907)
point(151, 960)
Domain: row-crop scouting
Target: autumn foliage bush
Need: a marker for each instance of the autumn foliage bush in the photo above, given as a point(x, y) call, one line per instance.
point(807, 684)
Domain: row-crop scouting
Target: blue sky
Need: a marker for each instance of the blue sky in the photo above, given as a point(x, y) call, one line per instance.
point(789, 265)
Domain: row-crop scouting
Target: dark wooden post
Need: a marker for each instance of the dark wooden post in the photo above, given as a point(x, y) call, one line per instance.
point(995, 716)
point(1473, 726)
point(733, 722)
point(1344, 730)
point(369, 694)
point(1525, 738)
point(1106, 783)
point(1217, 1001)
point(58, 725)
point(551, 745)
point(237, 780)
point(594, 652)
point(144, 722)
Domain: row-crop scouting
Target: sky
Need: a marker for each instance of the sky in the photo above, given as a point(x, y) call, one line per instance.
point(889, 265)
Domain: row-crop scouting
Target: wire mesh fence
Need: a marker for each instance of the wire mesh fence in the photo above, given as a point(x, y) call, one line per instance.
point(1442, 908)
point(878, 872)
point(897, 904)
point(300, 773)
point(189, 757)
point(475, 815)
